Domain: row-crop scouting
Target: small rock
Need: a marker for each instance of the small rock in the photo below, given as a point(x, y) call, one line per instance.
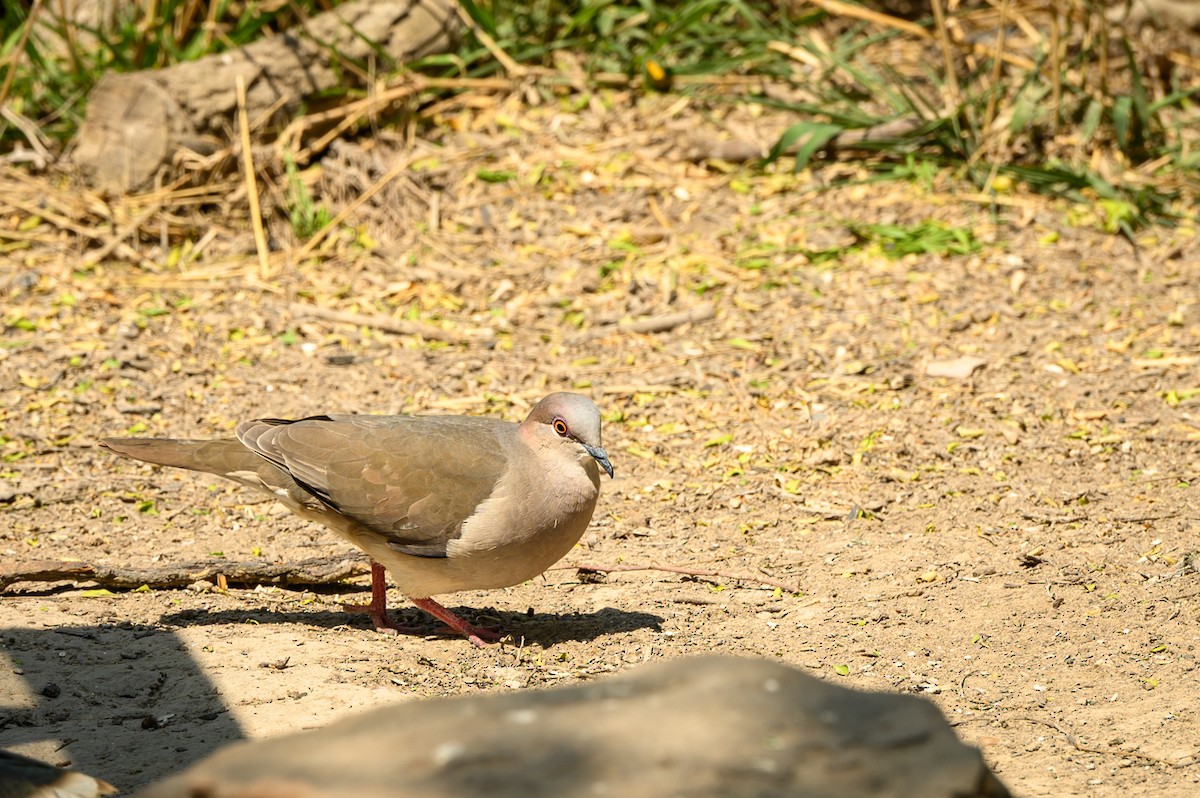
point(958, 368)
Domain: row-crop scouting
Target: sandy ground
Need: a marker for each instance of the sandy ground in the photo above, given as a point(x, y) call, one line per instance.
point(1018, 545)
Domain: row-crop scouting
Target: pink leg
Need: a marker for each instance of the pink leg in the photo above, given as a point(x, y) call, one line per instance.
point(479, 637)
point(378, 606)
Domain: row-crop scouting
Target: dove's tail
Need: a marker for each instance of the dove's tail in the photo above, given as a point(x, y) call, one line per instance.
point(226, 458)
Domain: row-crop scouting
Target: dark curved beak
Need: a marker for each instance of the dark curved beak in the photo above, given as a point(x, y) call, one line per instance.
point(601, 457)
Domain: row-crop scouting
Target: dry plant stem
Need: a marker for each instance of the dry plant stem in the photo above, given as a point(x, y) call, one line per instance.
point(659, 216)
point(316, 571)
point(838, 8)
point(260, 237)
point(380, 322)
point(835, 7)
point(19, 49)
point(116, 240)
point(64, 223)
point(267, 114)
point(368, 107)
point(989, 115)
point(38, 152)
point(377, 102)
point(319, 236)
point(939, 16)
point(510, 66)
point(1102, 34)
point(1056, 65)
point(612, 569)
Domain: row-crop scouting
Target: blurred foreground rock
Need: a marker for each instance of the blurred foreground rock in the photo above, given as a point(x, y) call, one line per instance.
point(705, 726)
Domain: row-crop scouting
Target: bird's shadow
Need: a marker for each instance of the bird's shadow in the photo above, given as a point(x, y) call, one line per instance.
point(546, 628)
point(541, 628)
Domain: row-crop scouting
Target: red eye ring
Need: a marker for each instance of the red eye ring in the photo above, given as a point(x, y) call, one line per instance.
point(560, 427)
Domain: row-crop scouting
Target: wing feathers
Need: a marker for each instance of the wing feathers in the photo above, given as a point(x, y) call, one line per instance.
point(411, 480)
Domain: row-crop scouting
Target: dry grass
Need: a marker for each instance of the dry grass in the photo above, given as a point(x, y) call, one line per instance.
point(1028, 93)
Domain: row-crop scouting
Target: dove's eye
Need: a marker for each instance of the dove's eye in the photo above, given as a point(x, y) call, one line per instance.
point(560, 427)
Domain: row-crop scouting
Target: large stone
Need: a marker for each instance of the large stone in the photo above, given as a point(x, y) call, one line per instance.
point(707, 726)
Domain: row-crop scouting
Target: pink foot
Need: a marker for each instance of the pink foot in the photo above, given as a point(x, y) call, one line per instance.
point(378, 606)
point(480, 637)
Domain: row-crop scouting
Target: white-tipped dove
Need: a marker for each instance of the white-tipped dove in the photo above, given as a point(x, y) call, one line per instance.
point(444, 503)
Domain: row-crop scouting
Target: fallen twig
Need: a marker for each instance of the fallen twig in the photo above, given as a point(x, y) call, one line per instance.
point(1141, 519)
point(1068, 517)
point(315, 571)
point(44, 492)
point(256, 220)
point(703, 146)
point(10, 494)
point(385, 323)
point(611, 569)
point(1078, 746)
point(826, 512)
point(651, 324)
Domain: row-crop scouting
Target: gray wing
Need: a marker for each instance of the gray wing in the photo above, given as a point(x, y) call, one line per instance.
point(412, 480)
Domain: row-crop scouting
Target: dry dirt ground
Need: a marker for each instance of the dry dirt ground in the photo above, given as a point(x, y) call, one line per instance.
point(1018, 545)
